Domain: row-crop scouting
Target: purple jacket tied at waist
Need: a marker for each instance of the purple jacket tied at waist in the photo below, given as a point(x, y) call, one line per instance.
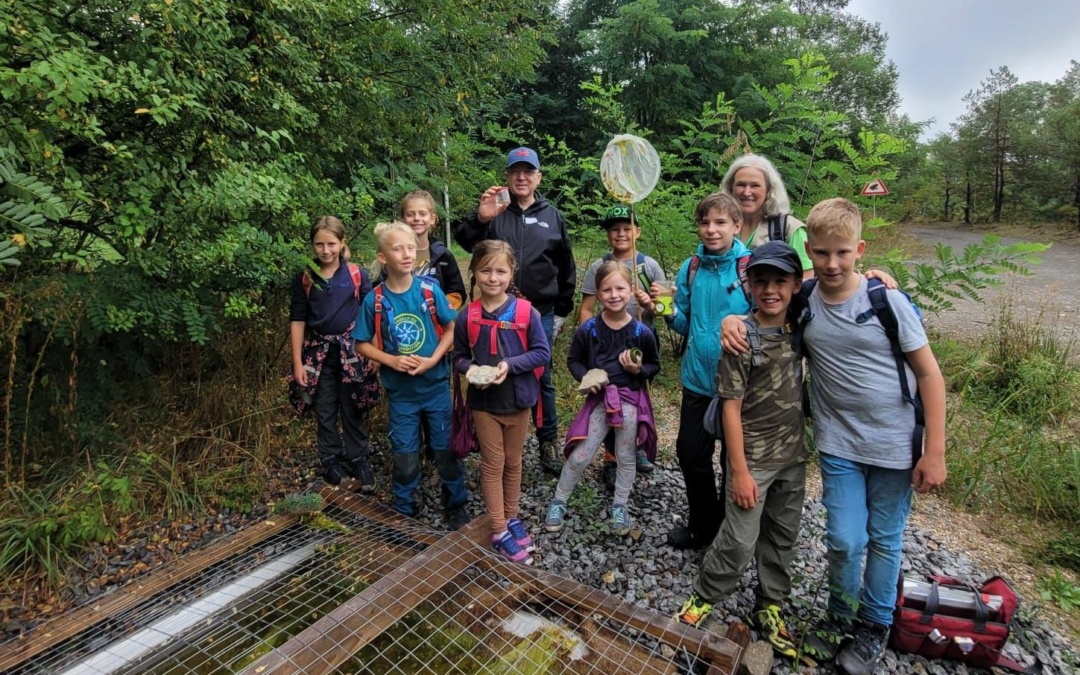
point(612, 398)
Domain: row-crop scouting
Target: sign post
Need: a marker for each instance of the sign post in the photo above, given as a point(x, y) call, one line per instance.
point(875, 188)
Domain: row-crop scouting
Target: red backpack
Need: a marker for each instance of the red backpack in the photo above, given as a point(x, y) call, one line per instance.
point(354, 272)
point(520, 325)
point(382, 306)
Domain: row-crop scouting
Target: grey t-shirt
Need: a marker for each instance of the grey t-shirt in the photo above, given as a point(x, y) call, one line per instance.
point(649, 268)
point(859, 411)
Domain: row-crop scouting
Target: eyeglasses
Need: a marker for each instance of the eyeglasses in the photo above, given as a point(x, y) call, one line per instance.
point(527, 170)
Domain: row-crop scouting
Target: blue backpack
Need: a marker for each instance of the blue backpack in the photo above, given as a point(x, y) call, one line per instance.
point(880, 307)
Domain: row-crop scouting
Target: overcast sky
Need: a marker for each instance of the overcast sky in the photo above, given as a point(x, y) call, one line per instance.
point(945, 48)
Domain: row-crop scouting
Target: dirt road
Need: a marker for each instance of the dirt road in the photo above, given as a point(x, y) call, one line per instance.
point(1051, 295)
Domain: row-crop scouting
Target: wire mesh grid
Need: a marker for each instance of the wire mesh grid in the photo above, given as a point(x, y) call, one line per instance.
point(376, 593)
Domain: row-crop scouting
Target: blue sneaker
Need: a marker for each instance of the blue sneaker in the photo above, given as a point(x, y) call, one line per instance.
point(520, 534)
point(556, 516)
point(620, 520)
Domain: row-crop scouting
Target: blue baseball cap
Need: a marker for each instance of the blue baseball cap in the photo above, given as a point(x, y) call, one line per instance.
point(527, 155)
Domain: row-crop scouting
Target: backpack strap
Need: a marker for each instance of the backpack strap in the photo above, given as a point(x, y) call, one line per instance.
point(357, 279)
point(305, 282)
point(429, 300)
point(691, 272)
point(473, 316)
point(880, 307)
point(778, 227)
point(380, 305)
point(744, 279)
point(754, 338)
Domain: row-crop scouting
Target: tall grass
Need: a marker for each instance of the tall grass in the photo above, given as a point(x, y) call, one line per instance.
point(1013, 444)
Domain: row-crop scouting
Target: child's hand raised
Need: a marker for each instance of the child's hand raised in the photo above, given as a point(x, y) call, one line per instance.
point(630, 361)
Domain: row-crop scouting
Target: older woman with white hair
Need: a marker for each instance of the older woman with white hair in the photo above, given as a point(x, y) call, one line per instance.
point(766, 210)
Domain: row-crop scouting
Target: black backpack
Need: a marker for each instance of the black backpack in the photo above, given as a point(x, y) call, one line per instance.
point(880, 307)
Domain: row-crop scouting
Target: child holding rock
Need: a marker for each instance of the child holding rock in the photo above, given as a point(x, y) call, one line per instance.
point(498, 343)
point(613, 355)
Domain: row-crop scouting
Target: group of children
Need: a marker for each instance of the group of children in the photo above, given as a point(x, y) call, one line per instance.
point(407, 326)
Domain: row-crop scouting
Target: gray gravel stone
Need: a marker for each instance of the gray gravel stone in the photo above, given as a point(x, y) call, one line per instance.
point(651, 574)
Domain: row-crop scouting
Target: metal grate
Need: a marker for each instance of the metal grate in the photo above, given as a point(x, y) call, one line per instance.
point(372, 593)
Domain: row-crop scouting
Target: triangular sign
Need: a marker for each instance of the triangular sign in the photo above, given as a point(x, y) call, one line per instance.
point(874, 188)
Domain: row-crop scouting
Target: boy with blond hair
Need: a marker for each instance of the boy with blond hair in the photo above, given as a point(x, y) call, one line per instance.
point(865, 432)
point(407, 326)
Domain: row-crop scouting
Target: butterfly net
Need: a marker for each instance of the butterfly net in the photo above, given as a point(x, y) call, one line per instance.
point(629, 168)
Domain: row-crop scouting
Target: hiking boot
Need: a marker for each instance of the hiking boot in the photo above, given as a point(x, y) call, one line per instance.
point(823, 640)
point(694, 611)
point(361, 471)
point(333, 473)
point(643, 463)
point(607, 475)
point(620, 520)
point(520, 534)
point(682, 538)
point(458, 516)
point(508, 548)
point(862, 655)
point(549, 457)
point(770, 625)
point(556, 516)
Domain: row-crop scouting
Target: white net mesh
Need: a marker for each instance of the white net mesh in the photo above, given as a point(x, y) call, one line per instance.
point(629, 168)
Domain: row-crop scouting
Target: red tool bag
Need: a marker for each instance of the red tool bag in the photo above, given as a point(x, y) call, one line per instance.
point(943, 617)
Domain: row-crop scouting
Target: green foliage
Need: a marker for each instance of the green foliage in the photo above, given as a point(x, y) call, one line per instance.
point(1007, 448)
point(310, 502)
point(44, 528)
point(953, 275)
point(1058, 589)
point(1064, 550)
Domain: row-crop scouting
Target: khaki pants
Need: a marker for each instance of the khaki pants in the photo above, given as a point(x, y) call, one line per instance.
point(501, 439)
point(766, 532)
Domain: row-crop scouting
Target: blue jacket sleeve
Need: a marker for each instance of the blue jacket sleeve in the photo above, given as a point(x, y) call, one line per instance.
point(681, 323)
point(538, 354)
point(298, 302)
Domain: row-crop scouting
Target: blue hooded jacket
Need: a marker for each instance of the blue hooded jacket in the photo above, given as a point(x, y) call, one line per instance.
point(716, 294)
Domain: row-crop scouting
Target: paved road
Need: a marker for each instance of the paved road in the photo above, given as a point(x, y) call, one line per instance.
point(1051, 295)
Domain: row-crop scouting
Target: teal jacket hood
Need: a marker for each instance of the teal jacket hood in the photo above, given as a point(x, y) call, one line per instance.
point(716, 293)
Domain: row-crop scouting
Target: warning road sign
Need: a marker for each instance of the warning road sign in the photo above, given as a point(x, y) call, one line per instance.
point(874, 188)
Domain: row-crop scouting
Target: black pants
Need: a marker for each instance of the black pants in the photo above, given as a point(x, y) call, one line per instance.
point(695, 447)
point(331, 400)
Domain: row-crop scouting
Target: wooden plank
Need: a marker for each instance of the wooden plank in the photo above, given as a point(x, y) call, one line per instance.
point(55, 631)
point(721, 652)
point(326, 644)
point(477, 530)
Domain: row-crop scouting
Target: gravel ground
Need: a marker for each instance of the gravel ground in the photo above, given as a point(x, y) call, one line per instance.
point(642, 569)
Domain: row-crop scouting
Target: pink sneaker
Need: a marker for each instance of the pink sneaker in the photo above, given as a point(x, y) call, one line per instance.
point(509, 549)
point(520, 534)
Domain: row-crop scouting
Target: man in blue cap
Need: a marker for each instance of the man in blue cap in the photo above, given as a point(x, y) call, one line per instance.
point(546, 274)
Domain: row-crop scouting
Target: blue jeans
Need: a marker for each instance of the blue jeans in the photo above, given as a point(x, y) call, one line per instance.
point(405, 419)
point(550, 428)
point(867, 509)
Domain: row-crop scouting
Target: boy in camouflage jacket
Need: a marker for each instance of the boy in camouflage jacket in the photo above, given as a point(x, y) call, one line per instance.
point(763, 427)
